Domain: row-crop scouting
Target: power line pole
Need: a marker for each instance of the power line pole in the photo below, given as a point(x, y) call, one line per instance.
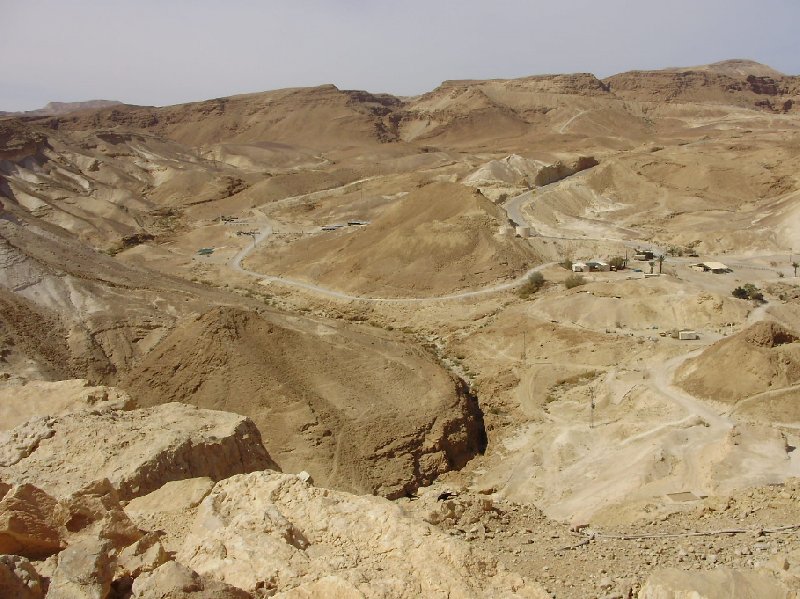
point(591, 414)
point(524, 346)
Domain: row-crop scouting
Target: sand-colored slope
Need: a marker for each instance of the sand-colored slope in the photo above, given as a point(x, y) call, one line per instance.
point(32, 340)
point(736, 67)
point(357, 410)
point(516, 114)
point(721, 194)
point(436, 240)
point(763, 357)
point(742, 83)
point(640, 304)
point(318, 117)
point(104, 186)
point(80, 313)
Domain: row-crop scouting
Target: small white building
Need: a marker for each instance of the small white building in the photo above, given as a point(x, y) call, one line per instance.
point(715, 267)
point(688, 335)
point(580, 267)
point(523, 232)
point(598, 265)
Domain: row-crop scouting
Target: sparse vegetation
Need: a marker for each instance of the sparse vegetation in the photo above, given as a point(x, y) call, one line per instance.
point(748, 291)
point(574, 281)
point(566, 263)
point(617, 263)
point(534, 283)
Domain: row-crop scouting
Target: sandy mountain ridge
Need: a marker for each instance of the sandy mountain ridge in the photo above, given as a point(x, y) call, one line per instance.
point(107, 174)
point(59, 108)
point(296, 115)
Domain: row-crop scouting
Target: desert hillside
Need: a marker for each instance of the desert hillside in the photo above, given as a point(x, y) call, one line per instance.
point(759, 365)
point(437, 239)
point(404, 423)
point(527, 337)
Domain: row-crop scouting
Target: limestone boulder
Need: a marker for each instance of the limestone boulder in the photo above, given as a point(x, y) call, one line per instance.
point(30, 523)
point(145, 555)
point(85, 570)
point(36, 525)
point(19, 579)
point(174, 496)
point(170, 510)
point(267, 532)
point(722, 583)
point(175, 581)
point(20, 442)
point(137, 451)
point(95, 511)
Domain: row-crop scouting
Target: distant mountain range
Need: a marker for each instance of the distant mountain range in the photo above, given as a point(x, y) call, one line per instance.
point(59, 108)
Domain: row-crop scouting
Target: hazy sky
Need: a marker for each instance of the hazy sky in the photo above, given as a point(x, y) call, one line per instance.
point(171, 51)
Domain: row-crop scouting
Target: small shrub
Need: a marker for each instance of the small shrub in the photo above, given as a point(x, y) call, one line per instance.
point(617, 262)
point(566, 263)
point(748, 291)
point(534, 283)
point(675, 250)
point(574, 281)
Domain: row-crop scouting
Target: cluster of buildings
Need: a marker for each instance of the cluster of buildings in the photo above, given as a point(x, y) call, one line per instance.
point(350, 223)
point(591, 266)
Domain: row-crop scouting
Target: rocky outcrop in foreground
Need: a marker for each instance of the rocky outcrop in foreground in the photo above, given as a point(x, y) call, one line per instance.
point(255, 534)
point(271, 532)
point(721, 583)
point(137, 451)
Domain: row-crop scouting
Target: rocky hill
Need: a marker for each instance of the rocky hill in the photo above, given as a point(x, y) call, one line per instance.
point(404, 423)
point(437, 239)
point(757, 365)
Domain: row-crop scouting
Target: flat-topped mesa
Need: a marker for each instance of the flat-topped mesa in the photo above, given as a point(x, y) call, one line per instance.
point(743, 83)
point(585, 84)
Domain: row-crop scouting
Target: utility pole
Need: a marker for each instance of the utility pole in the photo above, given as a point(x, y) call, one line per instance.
point(591, 415)
point(524, 346)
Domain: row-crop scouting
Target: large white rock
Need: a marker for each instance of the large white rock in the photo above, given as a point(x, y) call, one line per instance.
point(722, 583)
point(85, 571)
point(175, 581)
point(137, 451)
point(267, 532)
